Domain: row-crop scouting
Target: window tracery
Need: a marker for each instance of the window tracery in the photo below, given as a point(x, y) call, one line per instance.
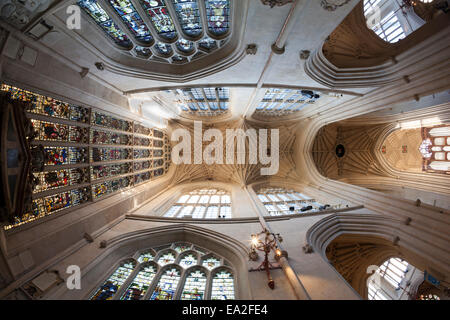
point(202, 204)
point(435, 149)
point(87, 154)
point(279, 201)
point(176, 34)
point(98, 14)
point(278, 102)
point(203, 101)
point(390, 280)
point(154, 276)
point(392, 20)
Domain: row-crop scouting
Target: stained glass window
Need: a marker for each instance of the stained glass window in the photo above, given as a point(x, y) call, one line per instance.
point(222, 286)
point(57, 202)
point(96, 12)
point(167, 285)
point(142, 177)
point(114, 282)
point(106, 187)
point(185, 46)
point(181, 247)
point(64, 155)
point(108, 137)
point(141, 153)
point(207, 44)
point(211, 263)
point(138, 128)
point(163, 19)
point(60, 178)
point(188, 260)
point(217, 12)
point(194, 286)
point(59, 151)
point(109, 154)
point(132, 19)
point(111, 170)
point(146, 256)
point(139, 141)
point(159, 15)
point(163, 49)
point(169, 279)
point(142, 165)
point(140, 284)
point(104, 120)
point(143, 51)
point(188, 16)
point(166, 258)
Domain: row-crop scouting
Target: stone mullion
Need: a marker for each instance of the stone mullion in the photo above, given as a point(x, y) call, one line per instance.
point(147, 20)
point(193, 100)
point(127, 282)
point(206, 99)
point(49, 168)
point(105, 5)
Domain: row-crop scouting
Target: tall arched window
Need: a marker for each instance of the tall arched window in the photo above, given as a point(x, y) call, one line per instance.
point(170, 272)
point(110, 287)
point(391, 280)
point(435, 149)
point(86, 154)
point(391, 20)
point(202, 204)
point(279, 201)
point(163, 30)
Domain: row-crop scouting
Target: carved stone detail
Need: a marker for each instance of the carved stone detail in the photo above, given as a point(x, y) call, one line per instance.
point(251, 49)
point(332, 5)
point(307, 248)
point(304, 54)
point(273, 3)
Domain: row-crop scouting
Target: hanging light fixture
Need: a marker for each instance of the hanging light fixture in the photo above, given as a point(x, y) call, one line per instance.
point(267, 245)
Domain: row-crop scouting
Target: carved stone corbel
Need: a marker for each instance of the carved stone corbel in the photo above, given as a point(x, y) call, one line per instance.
point(307, 248)
point(332, 5)
point(304, 54)
point(273, 3)
point(251, 49)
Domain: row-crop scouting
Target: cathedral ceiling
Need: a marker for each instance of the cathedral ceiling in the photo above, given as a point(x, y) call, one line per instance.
point(401, 150)
point(341, 152)
point(240, 173)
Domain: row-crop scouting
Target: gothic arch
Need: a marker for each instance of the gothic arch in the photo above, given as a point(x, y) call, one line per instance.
point(126, 245)
point(370, 239)
point(354, 56)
